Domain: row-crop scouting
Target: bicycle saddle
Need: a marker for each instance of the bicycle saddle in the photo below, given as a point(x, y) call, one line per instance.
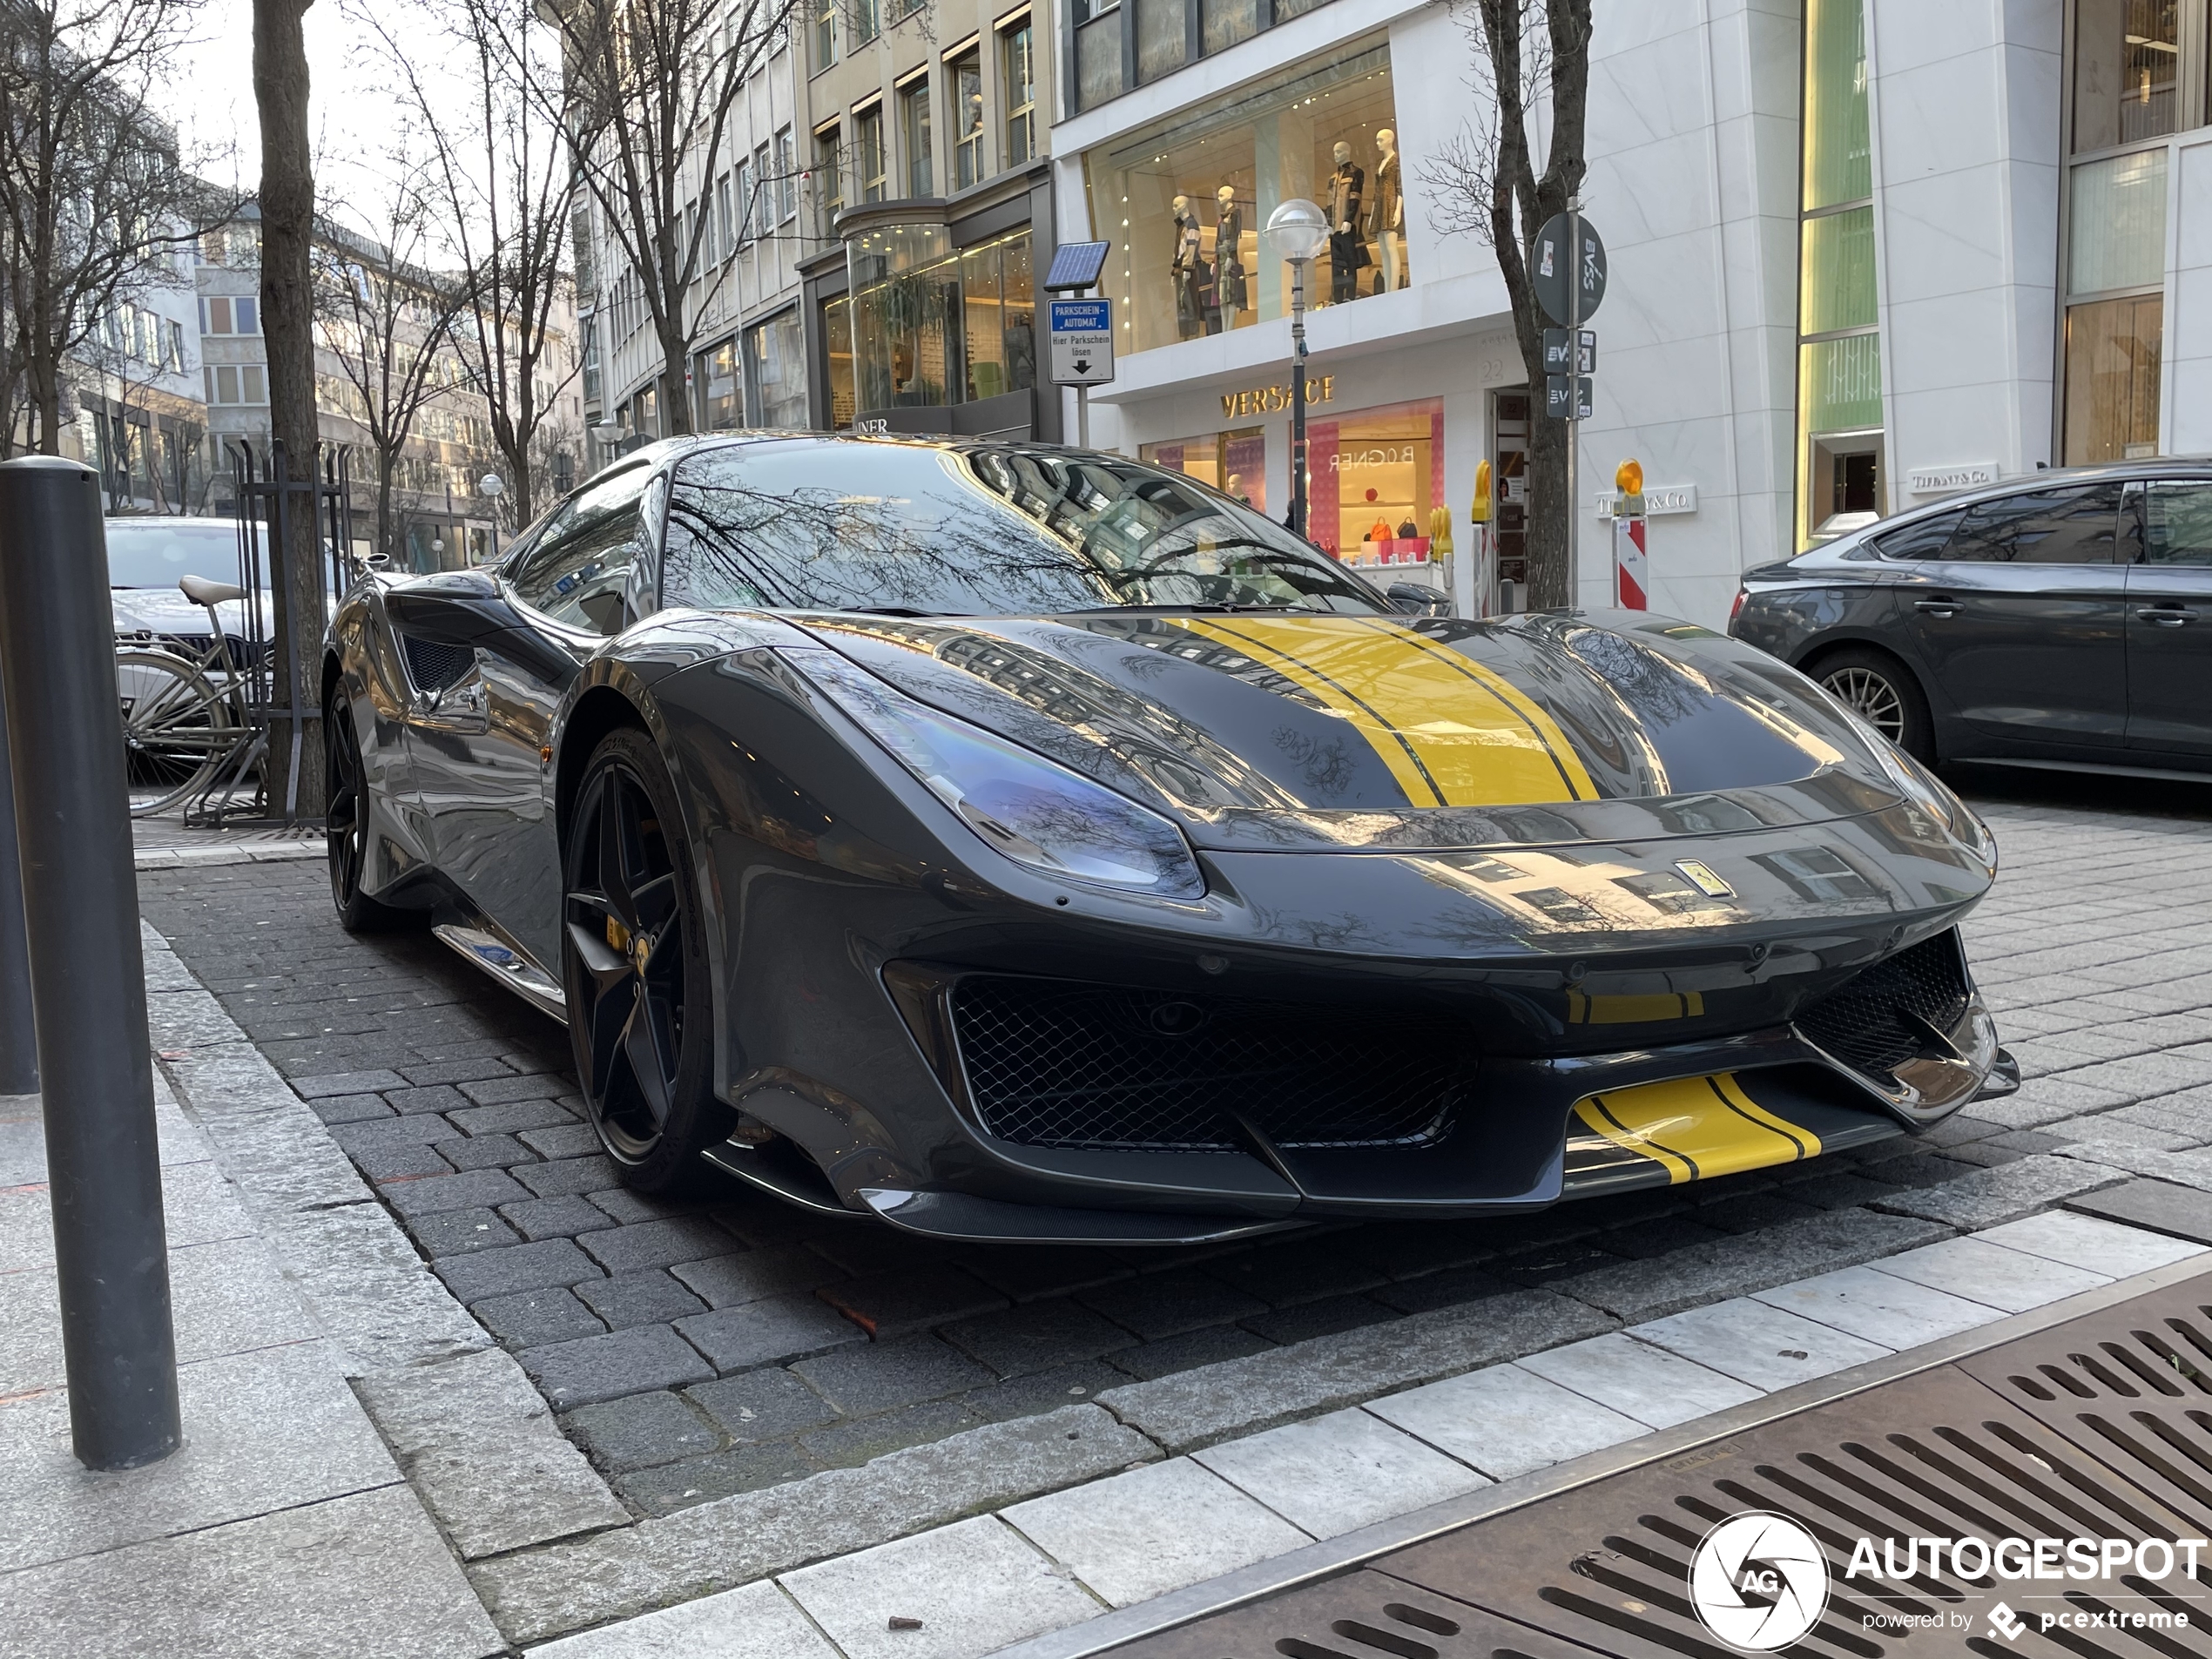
point(201, 591)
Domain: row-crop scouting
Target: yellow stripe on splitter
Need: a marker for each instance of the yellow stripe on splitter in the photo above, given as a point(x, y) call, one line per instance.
point(1696, 1128)
point(1452, 733)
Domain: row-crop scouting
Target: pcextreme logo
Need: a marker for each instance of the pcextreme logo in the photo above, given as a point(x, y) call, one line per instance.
point(1760, 1580)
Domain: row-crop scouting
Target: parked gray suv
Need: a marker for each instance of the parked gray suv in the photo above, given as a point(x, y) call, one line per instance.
point(2059, 619)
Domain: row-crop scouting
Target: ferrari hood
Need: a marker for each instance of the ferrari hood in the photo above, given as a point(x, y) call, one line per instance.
point(1274, 728)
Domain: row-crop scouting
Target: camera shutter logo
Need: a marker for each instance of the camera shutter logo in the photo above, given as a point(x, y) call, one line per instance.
point(1759, 1582)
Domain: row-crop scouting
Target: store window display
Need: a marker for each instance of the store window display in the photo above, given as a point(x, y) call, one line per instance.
point(1185, 203)
point(933, 325)
point(1233, 462)
point(1377, 479)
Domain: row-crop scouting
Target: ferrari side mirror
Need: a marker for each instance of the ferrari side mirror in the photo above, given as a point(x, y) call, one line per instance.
point(1417, 600)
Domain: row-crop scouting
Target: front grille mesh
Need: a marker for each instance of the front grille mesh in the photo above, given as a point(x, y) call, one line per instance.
point(1052, 1062)
point(1867, 1024)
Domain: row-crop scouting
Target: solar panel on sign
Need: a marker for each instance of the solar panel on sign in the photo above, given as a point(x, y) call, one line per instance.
point(1075, 265)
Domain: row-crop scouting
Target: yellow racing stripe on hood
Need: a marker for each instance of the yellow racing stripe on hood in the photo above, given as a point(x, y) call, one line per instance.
point(1452, 733)
point(1696, 1128)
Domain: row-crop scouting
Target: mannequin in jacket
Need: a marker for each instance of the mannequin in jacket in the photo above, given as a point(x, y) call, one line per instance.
point(1189, 302)
point(1228, 254)
point(1347, 226)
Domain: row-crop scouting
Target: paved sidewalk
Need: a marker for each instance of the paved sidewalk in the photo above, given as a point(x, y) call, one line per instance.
point(282, 1525)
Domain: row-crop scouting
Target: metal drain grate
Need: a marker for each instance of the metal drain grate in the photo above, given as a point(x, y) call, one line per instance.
point(2099, 1428)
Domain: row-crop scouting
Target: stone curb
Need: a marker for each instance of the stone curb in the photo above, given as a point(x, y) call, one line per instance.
point(1197, 1408)
point(166, 858)
point(733, 1541)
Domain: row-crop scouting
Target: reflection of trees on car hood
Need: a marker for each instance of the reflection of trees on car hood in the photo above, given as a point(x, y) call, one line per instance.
point(1004, 532)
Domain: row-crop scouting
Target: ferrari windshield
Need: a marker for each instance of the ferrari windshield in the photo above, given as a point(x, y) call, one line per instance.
point(922, 529)
point(153, 553)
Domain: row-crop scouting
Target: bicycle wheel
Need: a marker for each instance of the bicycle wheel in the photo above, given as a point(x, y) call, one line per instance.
point(178, 727)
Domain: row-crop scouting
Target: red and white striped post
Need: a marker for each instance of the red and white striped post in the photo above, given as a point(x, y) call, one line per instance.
point(1631, 580)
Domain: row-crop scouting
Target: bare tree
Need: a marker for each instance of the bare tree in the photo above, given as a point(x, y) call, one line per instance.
point(649, 89)
point(502, 182)
point(289, 324)
point(1529, 55)
point(95, 199)
point(387, 319)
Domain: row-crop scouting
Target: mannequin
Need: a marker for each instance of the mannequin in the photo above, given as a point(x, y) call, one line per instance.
point(1228, 254)
point(1348, 232)
point(1190, 306)
point(1389, 223)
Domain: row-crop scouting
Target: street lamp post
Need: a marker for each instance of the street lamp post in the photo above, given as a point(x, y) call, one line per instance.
point(1297, 231)
point(492, 487)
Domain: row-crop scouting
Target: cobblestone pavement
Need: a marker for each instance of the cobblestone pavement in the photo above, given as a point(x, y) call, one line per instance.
point(730, 1343)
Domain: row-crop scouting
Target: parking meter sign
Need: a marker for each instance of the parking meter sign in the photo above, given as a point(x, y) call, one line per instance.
point(1082, 335)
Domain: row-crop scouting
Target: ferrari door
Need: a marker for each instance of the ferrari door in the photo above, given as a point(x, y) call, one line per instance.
point(480, 755)
point(2020, 619)
point(2170, 619)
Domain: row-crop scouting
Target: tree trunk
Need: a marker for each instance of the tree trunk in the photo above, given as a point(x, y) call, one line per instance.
point(384, 541)
point(287, 322)
point(675, 396)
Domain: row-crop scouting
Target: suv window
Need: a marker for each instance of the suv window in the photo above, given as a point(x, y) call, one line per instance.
point(1923, 539)
point(2174, 521)
point(2075, 524)
point(577, 571)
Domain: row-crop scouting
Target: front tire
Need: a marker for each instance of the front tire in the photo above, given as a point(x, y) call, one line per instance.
point(634, 967)
point(1882, 691)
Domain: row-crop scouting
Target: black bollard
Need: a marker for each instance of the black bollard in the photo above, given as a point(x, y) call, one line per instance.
point(18, 1036)
point(81, 905)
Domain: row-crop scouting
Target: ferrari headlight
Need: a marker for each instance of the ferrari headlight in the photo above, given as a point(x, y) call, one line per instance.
point(1033, 810)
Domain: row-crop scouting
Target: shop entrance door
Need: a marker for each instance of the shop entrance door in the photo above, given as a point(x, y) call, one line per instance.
point(1508, 577)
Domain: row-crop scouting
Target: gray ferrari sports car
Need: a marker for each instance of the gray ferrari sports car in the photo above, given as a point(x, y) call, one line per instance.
point(1020, 843)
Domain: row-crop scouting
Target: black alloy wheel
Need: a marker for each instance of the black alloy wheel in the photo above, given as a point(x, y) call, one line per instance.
point(1882, 691)
point(634, 965)
point(345, 823)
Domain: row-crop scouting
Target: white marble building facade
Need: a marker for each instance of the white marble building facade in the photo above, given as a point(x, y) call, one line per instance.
point(1839, 240)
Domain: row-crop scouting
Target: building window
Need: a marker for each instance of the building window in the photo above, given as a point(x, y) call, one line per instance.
point(233, 383)
point(1163, 37)
point(775, 355)
point(1018, 88)
point(913, 129)
point(764, 191)
point(1840, 484)
point(837, 339)
point(935, 325)
point(824, 13)
point(721, 399)
point(230, 315)
point(786, 177)
point(725, 216)
point(2129, 93)
point(874, 163)
point(829, 179)
point(2127, 71)
point(1187, 202)
point(970, 166)
point(746, 189)
point(866, 17)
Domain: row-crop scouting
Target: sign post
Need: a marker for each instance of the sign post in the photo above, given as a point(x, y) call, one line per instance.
point(1568, 272)
point(1079, 333)
point(1631, 580)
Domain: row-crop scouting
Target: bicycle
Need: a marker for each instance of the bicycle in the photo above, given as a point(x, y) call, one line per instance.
point(185, 721)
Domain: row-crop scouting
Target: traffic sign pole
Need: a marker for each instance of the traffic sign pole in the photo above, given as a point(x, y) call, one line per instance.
point(1574, 394)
